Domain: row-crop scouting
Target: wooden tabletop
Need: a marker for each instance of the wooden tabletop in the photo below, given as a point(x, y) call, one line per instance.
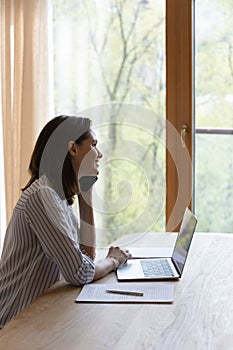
point(201, 316)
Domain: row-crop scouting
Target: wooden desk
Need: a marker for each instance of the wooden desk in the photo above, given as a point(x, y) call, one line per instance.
point(201, 316)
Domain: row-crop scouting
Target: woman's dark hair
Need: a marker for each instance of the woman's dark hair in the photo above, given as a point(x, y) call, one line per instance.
point(50, 156)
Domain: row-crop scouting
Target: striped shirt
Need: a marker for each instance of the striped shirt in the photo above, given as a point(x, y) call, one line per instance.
point(41, 243)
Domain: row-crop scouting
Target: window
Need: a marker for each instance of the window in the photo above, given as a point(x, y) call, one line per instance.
point(214, 118)
point(112, 62)
point(109, 59)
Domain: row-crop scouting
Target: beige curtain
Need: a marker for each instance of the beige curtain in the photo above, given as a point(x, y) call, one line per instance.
point(25, 86)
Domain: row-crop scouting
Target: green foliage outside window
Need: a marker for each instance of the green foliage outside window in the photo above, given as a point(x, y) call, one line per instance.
point(113, 52)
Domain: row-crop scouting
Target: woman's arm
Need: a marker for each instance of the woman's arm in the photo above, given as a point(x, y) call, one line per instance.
point(87, 235)
point(87, 238)
point(49, 219)
point(115, 258)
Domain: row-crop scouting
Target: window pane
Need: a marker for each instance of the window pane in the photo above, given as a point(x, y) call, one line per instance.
point(110, 54)
point(214, 185)
point(214, 63)
point(214, 106)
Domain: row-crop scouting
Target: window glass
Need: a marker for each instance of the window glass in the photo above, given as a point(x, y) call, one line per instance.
point(214, 189)
point(109, 59)
point(214, 63)
point(213, 114)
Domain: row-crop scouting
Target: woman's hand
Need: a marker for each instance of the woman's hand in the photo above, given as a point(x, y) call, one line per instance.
point(118, 256)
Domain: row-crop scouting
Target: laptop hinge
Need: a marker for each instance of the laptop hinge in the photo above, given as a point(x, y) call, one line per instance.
point(177, 267)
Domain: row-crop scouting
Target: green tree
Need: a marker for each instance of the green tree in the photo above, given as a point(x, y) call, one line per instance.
point(125, 45)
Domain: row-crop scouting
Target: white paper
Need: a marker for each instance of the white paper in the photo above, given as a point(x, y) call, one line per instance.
point(156, 292)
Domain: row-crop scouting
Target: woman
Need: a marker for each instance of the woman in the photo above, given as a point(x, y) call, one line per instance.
point(45, 239)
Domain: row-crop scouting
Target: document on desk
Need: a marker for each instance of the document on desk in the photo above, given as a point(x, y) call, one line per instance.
point(156, 292)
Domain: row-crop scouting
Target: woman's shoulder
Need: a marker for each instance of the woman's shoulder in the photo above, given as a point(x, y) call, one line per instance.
point(40, 189)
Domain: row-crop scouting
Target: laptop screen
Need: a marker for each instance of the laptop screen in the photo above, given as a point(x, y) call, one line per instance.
point(184, 239)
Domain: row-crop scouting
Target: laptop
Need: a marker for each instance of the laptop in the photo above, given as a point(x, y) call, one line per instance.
point(167, 267)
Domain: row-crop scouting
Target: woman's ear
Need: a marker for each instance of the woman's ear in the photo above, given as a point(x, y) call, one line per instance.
point(72, 148)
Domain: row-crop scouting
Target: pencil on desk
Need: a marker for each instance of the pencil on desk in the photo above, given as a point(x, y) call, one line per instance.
point(126, 292)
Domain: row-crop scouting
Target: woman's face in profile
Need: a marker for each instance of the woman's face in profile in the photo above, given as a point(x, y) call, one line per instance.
point(86, 160)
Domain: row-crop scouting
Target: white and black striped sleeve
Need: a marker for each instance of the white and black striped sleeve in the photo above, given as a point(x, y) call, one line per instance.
point(49, 219)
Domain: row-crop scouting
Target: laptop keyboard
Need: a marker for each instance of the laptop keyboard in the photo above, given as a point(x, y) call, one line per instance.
point(157, 267)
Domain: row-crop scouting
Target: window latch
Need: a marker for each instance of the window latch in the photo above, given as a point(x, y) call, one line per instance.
point(183, 133)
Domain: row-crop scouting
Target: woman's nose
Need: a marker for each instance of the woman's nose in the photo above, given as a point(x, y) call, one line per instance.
point(100, 155)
